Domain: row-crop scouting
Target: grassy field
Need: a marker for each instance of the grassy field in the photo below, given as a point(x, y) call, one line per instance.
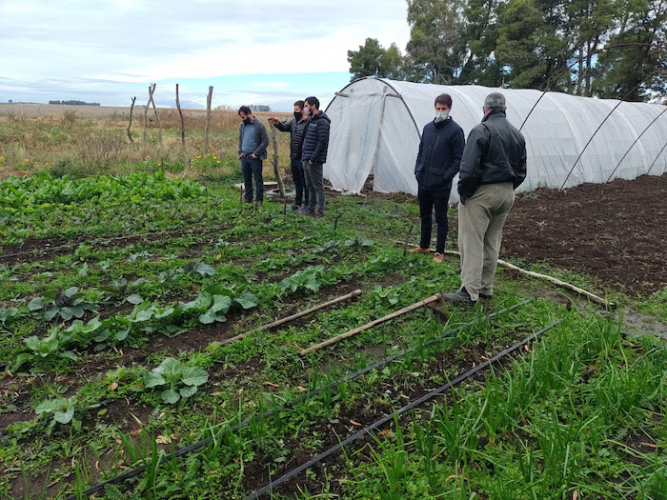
point(87, 140)
point(121, 296)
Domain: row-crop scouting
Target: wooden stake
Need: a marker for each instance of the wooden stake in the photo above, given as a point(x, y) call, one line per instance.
point(148, 106)
point(209, 98)
point(276, 168)
point(180, 113)
point(433, 298)
point(293, 317)
point(551, 279)
point(130, 124)
point(157, 116)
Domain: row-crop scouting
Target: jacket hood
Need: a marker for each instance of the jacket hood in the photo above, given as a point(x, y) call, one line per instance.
point(321, 115)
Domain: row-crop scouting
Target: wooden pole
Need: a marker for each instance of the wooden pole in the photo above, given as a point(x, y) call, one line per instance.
point(429, 300)
point(551, 279)
point(293, 317)
point(209, 99)
point(276, 168)
point(157, 116)
point(130, 124)
point(148, 106)
point(180, 113)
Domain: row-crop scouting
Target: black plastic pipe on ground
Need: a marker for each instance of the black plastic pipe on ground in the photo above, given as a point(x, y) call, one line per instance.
point(410, 406)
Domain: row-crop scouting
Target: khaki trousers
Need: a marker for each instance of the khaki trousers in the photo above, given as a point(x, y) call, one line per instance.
point(481, 222)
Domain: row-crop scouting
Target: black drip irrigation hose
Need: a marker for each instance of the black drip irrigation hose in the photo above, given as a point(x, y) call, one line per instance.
point(410, 406)
point(246, 423)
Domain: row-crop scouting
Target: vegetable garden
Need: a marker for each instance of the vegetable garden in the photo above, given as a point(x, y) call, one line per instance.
point(135, 364)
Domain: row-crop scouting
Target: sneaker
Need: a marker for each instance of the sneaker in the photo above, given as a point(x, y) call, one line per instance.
point(438, 258)
point(304, 209)
point(460, 298)
point(296, 207)
point(425, 251)
point(484, 296)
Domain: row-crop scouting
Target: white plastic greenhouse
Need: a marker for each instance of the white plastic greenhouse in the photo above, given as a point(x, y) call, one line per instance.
point(376, 126)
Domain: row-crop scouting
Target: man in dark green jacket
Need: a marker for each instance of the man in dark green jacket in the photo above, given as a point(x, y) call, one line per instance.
point(253, 141)
point(493, 166)
point(437, 164)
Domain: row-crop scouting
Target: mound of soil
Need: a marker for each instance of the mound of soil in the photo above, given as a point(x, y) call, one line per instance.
point(615, 233)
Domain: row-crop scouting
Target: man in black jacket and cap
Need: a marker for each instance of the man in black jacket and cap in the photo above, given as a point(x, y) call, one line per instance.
point(296, 127)
point(438, 161)
point(493, 166)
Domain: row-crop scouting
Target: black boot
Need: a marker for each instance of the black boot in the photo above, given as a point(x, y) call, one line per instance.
point(460, 298)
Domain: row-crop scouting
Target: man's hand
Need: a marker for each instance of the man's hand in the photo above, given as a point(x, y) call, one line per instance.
point(241, 155)
point(273, 120)
point(253, 156)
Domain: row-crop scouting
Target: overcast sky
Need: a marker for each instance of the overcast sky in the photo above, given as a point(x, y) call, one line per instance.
point(254, 51)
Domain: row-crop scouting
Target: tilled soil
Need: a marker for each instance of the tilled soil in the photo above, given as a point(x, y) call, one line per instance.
point(615, 233)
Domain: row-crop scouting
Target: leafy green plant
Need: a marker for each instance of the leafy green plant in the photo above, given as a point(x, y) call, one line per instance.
point(307, 279)
point(63, 411)
point(216, 300)
point(67, 304)
point(179, 381)
point(50, 347)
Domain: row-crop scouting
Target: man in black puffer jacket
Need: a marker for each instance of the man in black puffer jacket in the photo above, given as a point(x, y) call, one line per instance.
point(493, 166)
point(314, 155)
point(438, 161)
point(296, 127)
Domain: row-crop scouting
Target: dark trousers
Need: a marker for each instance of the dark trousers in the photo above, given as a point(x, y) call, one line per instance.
point(430, 198)
point(315, 182)
point(252, 167)
point(299, 183)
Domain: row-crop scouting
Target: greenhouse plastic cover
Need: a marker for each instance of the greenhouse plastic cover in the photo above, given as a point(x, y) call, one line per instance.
point(376, 126)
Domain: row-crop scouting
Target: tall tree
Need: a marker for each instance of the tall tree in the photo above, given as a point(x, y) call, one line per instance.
point(436, 29)
point(374, 60)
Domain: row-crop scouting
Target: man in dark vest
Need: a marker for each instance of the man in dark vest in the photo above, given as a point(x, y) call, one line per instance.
point(253, 141)
point(438, 161)
point(296, 127)
point(493, 166)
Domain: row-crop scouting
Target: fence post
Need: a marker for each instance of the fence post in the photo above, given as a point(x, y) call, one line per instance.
point(130, 124)
point(208, 117)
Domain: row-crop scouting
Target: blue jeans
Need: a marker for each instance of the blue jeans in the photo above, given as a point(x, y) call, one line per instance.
point(252, 167)
point(299, 183)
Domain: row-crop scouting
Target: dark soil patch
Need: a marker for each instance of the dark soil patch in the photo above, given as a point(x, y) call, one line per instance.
point(615, 232)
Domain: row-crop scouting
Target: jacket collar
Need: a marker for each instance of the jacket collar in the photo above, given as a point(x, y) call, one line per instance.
point(494, 114)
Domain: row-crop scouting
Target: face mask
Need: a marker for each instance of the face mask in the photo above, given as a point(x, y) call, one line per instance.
point(307, 111)
point(441, 116)
point(298, 115)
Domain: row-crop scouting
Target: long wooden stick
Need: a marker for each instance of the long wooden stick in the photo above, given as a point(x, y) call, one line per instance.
point(417, 305)
point(555, 281)
point(180, 114)
point(276, 166)
point(209, 98)
point(130, 124)
point(293, 317)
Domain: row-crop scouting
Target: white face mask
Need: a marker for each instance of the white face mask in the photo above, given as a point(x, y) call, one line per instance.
point(441, 116)
point(307, 111)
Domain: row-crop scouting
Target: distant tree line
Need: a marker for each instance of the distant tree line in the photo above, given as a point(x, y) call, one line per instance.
point(75, 103)
point(528, 44)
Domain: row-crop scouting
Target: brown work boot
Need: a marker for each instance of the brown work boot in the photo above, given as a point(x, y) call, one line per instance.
point(438, 258)
point(421, 250)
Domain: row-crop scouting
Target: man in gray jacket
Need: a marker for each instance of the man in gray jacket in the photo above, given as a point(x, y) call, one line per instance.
point(492, 167)
point(253, 141)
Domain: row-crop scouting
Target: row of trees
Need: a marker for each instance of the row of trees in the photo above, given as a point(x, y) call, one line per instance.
point(75, 103)
point(614, 48)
